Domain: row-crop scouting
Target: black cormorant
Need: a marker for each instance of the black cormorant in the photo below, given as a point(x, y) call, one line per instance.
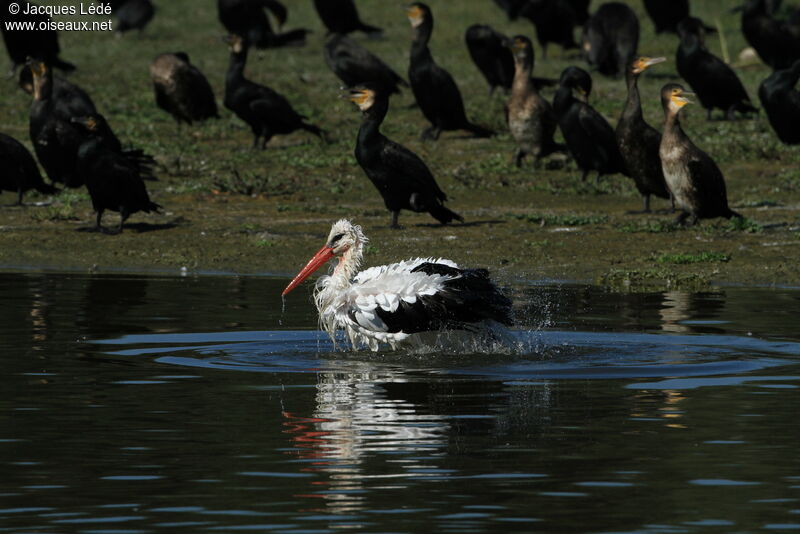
point(781, 101)
point(353, 64)
point(531, 118)
point(714, 82)
point(133, 15)
point(434, 89)
point(113, 183)
point(639, 142)
point(19, 172)
point(21, 44)
point(695, 181)
point(54, 139)
point(666, 14)
point(181, 89)
point(554, 20)
point(581, 8)
point(611, 38)
point(264, 110)
point(776, 42)
point(589, 137)
point(248, 19)
point(490, 55)
point(142, 162)
point(341, 16)
point(69, 100)
point(401, 177)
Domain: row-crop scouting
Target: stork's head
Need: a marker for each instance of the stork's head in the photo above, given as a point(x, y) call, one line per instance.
point(417, 14)
point(641, 64)
point(344, 237)
point(673, 97)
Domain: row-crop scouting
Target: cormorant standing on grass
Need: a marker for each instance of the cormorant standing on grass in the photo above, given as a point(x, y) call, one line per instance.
point(490, 55)
point(133, 15)
point(666, 14)
point(19, 172)
point(590, 139)
point(69, 100)
point(611, 38)
point(341, 16)
point(181, 89)
point(401, 177)
point(434, 89)
point(554, 20)
point(531, 118)
point(714, 82)
point(354, 64)
point(776, 42)
point(54, 139)
point(781, 101)
point(639, 142)
point(248, 19)
point(23, 44)
point(266, 112)
point(113, 183)
point(695, 181)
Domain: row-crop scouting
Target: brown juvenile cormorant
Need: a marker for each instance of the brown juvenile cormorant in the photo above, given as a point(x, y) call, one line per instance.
point(611, 38)
point(531, 118)
point(776, 42)
point(341, 16)
point(354, 64)
point(714, 82)
point(113, 183)
point(133, 15)
point(781, 101)
point(434, 89)
point(401, 177)
point(19, 172)
point(248, 19)
point(181, 89)
point(590, 139)
point(695, 181)
point(639, 142)
point(264, 110)
point(22, 44)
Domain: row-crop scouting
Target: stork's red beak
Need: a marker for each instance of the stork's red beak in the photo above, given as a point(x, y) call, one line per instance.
point(319, 259)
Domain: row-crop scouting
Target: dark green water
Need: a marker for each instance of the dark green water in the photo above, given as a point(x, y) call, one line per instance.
point(143, 404)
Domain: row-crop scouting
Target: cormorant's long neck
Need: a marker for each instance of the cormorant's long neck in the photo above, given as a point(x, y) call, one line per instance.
point(633, 106)
point(690, 44)
point(523, 68)
point(422, 35)
point(373, 117)
point(672, 125)
point(236, 66)
point(562, 100)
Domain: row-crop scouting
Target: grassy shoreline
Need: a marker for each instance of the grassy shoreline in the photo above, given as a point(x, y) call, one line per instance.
point(231, 209)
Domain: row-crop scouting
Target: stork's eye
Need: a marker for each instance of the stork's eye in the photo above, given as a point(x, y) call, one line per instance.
point(336, 238)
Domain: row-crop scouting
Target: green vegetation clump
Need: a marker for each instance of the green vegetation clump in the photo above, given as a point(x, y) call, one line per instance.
point(702, 257)
point(562, 220)
point(648, 279)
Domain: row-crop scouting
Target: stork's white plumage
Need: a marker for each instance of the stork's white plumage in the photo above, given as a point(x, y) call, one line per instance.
point(399, 303)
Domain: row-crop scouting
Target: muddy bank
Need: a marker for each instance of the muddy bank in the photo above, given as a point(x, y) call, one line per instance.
point(517, 234)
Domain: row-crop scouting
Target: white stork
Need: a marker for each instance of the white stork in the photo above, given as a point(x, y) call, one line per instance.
point(406, 303)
